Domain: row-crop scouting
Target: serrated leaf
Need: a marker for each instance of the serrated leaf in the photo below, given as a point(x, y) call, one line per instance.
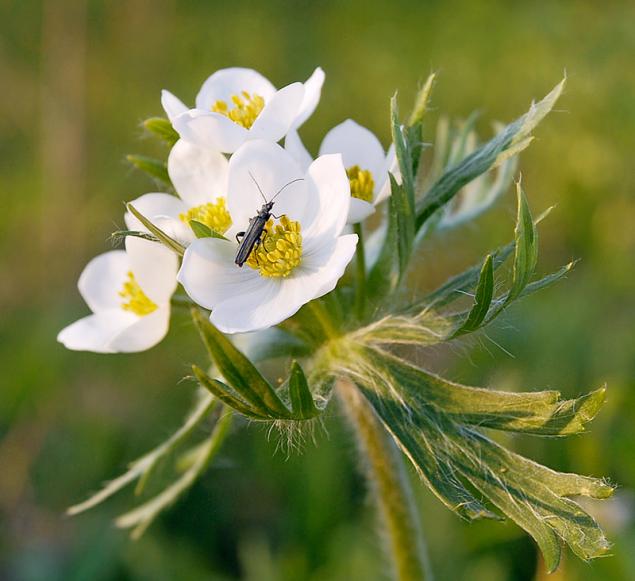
point(238, 370)
point(155, 168)
point(453, 458)
point(301, 398)
point(482, 300)
point(162, 128)
point(483, 159)
point(166, 240)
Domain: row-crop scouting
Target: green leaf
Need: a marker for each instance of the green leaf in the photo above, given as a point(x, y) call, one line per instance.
point(482, 300)
point(301, 398)
point(484, 158)
point(429, 420)
point(526, 248)
point(162, 128)
point(226, 394)
point(142, 517)
point(166, 240)
point(239, 372)
point(404, 159)
point(204, 231)
point(142, 467)
point(118, 235)
point(153, 167)
point(422, 101)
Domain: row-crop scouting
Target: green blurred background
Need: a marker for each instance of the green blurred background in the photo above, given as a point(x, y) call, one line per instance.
point(78, 76)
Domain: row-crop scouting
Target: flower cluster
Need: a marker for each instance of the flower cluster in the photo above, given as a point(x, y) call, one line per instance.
point(225, 165)
point(251, 235)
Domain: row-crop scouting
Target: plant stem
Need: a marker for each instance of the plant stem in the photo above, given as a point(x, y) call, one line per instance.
point(323, 319)
point(360, 272)
point(390, 487)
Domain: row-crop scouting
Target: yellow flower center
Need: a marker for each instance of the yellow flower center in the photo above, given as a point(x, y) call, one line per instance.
point(214, 215)
point(362, 183)
point(135, 300)
point(280, 249)
point(245, 110)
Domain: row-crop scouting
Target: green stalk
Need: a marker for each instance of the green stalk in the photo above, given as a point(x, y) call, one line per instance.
point(388, 480)
point(360, 273)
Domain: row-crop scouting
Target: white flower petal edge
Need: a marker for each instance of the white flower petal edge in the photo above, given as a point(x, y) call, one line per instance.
point(241, 300)
point(111, 329)
point(284, 109)
point(198, 175)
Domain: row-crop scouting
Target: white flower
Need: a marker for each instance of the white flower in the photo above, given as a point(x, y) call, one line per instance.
point(367, 164)
point(199, 177)
point(236, 105)
point(129, 294)
point(299, 259)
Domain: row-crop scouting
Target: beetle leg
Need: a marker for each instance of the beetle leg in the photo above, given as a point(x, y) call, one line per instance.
point(239, 236)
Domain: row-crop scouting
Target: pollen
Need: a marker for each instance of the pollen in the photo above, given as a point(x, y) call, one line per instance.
point(362, 183)
point(245, 110)
point(280, 249)
point(134, 299)
point(214, 215)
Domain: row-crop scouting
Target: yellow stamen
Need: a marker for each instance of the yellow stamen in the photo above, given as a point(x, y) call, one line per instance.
point(214, 215)
point(246, 108)
point(362, 183)
point(135, 300)
point(280, 250)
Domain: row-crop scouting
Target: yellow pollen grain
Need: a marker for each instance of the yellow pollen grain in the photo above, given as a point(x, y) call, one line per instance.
point(214, 215)
point(280, 249)
point(362, 183)
point(245, 110)
point(135, 300)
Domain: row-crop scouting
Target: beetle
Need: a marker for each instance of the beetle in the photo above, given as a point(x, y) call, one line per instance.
point(252, 237)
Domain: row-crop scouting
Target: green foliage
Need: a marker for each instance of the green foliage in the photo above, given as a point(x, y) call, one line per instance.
point(164, 238)
point(155, 168)
point(162, 128)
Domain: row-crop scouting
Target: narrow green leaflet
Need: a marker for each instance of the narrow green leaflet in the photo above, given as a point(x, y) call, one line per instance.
point(166, 240)
point(482, 300)
point(484, 158)
point(162, 128)
point(153, 167)
point(301, 398)
point(142, 467)
point(204, 231)
point(142, 517)
point(239, 372)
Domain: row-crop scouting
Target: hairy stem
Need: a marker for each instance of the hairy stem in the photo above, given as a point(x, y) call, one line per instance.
point(360, 273)
point(389, 485)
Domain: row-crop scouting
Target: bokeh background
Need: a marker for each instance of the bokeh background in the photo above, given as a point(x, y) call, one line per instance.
point(77, 78)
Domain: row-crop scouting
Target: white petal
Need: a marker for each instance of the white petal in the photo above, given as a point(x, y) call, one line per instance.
point(275, 300)
point(359, 210)
point(330, 193)
point(294, 146)
point(152, 206)
point(324, 266)
point(154, 268)
point(102, 278)
point(209, 275)
point(279, 113)
point(210, 130)
point(225, 83)
point(199, 175)
point(95, 332)
point(144, 333)
point(358, 146)
point(272, 168)
point(383, 191)
point(260, 307)
point(312, 93)
point(173, 106)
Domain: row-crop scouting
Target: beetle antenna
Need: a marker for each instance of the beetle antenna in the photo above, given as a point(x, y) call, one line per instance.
point(255, 182)
point(285, 185)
